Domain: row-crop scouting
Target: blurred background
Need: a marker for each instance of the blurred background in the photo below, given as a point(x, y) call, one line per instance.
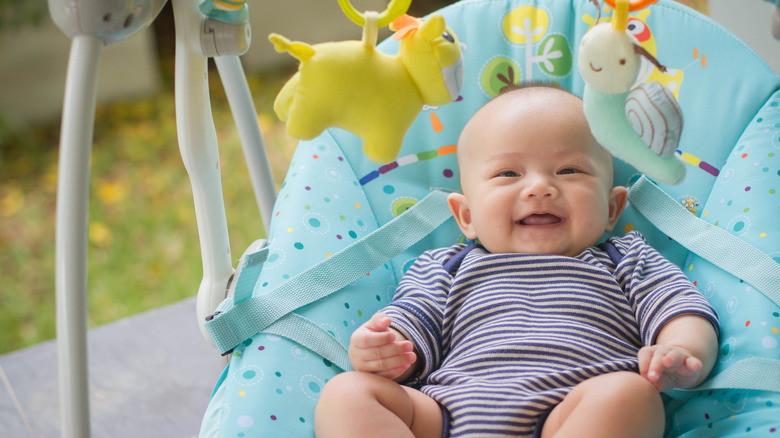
point(143, 244)
point(143, 248)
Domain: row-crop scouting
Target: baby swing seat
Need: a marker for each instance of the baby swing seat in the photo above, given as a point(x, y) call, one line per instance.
point(721, 225)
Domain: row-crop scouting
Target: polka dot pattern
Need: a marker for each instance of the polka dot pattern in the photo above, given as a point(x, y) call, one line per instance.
point(742, 202)
point(273, 383)
point(332, 196)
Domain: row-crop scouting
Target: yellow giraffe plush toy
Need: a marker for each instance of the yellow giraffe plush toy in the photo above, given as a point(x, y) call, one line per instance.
point(376, 96)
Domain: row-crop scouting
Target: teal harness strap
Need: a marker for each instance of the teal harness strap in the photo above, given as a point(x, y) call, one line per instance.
point(754, 373)
point(234, 324)
point(307, 333)
point(715, 245)
point(727, 252)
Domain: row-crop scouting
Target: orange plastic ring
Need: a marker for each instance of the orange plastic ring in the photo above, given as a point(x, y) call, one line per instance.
point(633, 5)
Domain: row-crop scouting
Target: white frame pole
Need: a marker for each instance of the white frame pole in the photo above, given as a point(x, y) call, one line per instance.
point(245, 115)
point(199, 151)
point(78, 118)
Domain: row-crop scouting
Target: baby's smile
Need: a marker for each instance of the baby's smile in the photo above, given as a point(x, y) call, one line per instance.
point(540, 219)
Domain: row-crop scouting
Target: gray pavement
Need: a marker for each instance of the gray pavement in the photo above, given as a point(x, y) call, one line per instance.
point(151, 375)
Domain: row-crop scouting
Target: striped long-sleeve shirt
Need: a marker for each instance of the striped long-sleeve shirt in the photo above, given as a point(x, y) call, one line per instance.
point(504, 337)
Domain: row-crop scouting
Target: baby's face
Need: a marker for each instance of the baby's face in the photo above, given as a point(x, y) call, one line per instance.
point(534, 180)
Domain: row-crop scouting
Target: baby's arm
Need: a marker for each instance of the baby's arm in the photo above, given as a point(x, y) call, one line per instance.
point(378, 349)
point(683, 355)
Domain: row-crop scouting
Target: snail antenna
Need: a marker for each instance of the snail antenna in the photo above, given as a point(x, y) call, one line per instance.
point(642, 51)
point(598, 9)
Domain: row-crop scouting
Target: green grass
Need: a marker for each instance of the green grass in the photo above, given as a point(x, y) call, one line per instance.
point(143, 242)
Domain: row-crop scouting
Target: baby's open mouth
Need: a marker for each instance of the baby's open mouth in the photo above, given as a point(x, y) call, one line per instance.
point(540, 219)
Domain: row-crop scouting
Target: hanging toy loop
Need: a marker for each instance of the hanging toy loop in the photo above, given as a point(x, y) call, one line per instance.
point(395, 9)
point(633, 6)
point(371, 28)
point(620, 15)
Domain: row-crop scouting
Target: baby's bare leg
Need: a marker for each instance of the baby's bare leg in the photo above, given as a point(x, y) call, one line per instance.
point(618, 404)
point(356, 404)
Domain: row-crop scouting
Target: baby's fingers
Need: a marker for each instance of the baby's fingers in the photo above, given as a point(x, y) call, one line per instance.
point(668, 367)
point(645, 355)
point(673, 359)
point(680, 362)
point(656, 367)
point(658, 359)
point(379, 358)
point(387, 351)
point(693, 364)
point(378, 323)
point(389, 365)
point(363, 338)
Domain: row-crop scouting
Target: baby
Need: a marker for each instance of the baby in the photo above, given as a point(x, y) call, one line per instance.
point(534, 331)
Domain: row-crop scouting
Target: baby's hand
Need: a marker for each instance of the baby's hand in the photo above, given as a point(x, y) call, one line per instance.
point(669, 367)
point(376, 348)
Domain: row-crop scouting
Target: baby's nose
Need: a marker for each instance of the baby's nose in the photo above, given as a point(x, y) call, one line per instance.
point(540, 186)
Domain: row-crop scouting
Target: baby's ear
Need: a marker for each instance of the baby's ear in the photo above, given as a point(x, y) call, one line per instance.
point(462, 214)
point(617, 202)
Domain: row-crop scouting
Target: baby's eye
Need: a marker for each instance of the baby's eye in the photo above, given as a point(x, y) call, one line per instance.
point(508, 174)
point(568, 171)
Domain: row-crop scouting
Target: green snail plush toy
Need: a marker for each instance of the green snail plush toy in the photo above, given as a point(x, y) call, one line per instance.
point(641, 126)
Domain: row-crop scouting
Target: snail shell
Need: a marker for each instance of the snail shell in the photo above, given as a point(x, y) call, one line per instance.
point(656, 117)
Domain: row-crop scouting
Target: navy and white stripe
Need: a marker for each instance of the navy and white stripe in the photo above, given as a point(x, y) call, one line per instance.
point(507, 337)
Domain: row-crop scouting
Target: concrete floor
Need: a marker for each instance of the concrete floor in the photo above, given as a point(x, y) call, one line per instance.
point(151, 375)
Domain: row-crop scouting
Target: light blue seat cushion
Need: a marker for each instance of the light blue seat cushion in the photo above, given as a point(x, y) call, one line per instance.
point(333, 195)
